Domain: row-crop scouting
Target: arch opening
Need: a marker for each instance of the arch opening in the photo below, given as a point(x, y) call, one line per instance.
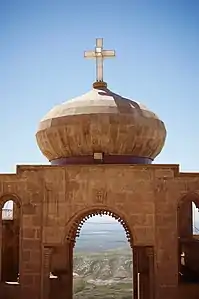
point(10, 241)
point(188, 239)
point(77, 224)
point(102, 256)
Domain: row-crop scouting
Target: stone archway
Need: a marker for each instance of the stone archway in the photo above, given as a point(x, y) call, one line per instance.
point(189, 197)
point(188, 245)
point(62, 258)
point(101, 255)
point(79, 219)
point(10, 238)
point(143, 263)
point(184, 214)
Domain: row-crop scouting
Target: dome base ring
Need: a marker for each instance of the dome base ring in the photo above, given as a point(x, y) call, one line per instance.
point(107, 159)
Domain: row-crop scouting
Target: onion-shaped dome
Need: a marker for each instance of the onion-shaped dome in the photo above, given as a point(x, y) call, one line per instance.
point(101, 121)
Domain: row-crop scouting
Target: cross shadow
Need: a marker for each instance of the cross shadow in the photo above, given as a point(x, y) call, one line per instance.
point(123, 104)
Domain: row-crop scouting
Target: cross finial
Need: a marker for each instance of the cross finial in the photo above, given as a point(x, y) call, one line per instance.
point(99, 54)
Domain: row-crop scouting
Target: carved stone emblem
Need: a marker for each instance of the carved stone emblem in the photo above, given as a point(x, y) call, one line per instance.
point(101, 196)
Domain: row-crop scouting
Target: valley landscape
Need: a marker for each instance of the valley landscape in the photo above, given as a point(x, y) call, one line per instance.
point(103, 275)
point(102, 261)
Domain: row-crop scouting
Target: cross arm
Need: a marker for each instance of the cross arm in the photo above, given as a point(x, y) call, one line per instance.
point(108, 53)
point(89, 54)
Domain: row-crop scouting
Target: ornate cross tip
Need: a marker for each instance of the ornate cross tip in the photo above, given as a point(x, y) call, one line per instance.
point(99, 54)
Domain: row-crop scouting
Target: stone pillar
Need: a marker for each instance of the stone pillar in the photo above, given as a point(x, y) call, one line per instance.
point(141, 264)
point(166, 274)
point(166, 241)
point(135, 274)
point(150, 253)
point(31, 255)
point(30, 274)
point(47, 251)
point(66, 278)
point(62, 267)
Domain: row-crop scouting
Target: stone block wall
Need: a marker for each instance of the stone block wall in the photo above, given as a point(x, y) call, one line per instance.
point(54, 200)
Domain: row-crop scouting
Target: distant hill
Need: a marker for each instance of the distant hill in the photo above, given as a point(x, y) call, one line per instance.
point(103, 275)
point(112, 264)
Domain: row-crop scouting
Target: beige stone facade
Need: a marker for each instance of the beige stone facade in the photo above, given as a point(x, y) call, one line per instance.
point(101, 146)
point(53, 200)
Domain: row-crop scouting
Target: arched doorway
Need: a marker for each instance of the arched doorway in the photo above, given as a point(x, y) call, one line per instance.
point(103, 259)
point(143, 256)
point(80, 219)
point(62, 257)
point(10, 240)
point(188, 239)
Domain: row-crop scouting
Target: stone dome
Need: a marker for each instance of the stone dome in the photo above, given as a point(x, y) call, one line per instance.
point(100, 121)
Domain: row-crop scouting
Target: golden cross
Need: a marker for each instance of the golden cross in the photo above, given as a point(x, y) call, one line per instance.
point(99, 54)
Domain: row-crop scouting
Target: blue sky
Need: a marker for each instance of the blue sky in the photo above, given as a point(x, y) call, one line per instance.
point(42, 64)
